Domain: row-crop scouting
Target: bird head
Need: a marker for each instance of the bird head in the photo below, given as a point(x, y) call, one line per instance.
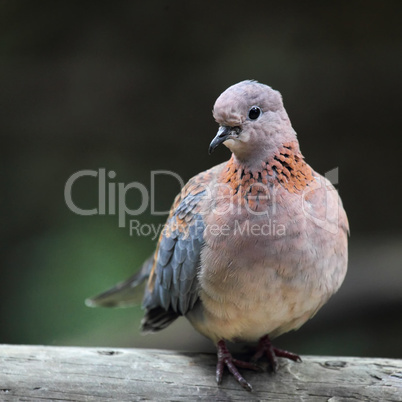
point(253, 122)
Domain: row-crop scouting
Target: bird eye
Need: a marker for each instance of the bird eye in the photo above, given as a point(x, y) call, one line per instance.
point(254, 113)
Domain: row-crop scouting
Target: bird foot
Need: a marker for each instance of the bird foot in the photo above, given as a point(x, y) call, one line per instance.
point(225, 359)
point(265, 347)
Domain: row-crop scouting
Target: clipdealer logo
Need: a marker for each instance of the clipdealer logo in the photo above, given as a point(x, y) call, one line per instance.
point(112, 195)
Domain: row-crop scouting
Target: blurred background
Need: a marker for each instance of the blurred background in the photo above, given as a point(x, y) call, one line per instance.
point(129, 87)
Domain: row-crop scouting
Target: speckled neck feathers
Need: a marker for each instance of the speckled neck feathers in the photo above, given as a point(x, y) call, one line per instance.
point(285, 167)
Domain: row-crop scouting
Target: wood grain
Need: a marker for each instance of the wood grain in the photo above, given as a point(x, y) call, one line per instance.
point(43, 373)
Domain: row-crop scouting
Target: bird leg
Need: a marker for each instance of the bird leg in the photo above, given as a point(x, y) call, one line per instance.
point(225, 359)
point(265, 347)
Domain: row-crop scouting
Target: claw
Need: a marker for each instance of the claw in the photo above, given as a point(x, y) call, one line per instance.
point(287, 355)
point(226, 359)
point(265, 348)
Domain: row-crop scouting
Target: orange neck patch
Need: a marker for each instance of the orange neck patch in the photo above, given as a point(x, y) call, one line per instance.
point(286, 167)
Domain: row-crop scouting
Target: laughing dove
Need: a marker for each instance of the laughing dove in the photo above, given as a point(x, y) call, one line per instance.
point(252, 247)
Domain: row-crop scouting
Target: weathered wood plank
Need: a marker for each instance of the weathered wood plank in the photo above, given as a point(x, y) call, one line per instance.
point(39, 373)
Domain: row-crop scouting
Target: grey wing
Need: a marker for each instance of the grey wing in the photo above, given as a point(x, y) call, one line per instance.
point(173, 286)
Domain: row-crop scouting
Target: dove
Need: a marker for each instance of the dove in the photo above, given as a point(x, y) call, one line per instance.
point(252, 247)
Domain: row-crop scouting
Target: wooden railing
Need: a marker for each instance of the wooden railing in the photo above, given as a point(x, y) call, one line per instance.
point(43, 373)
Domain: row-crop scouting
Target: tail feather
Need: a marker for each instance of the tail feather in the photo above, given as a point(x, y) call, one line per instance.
point(156, 319)
point(124, 294)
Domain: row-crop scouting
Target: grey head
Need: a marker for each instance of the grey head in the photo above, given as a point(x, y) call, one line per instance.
point(253, 121)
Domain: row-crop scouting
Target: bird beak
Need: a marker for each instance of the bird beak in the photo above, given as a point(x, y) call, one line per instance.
point(224, 133)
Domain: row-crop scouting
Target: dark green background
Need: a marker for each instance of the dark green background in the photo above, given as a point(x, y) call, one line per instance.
point(129, 87)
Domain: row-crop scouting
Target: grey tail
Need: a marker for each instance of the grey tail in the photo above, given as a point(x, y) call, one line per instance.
point(126, 293)
point(157, 318)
